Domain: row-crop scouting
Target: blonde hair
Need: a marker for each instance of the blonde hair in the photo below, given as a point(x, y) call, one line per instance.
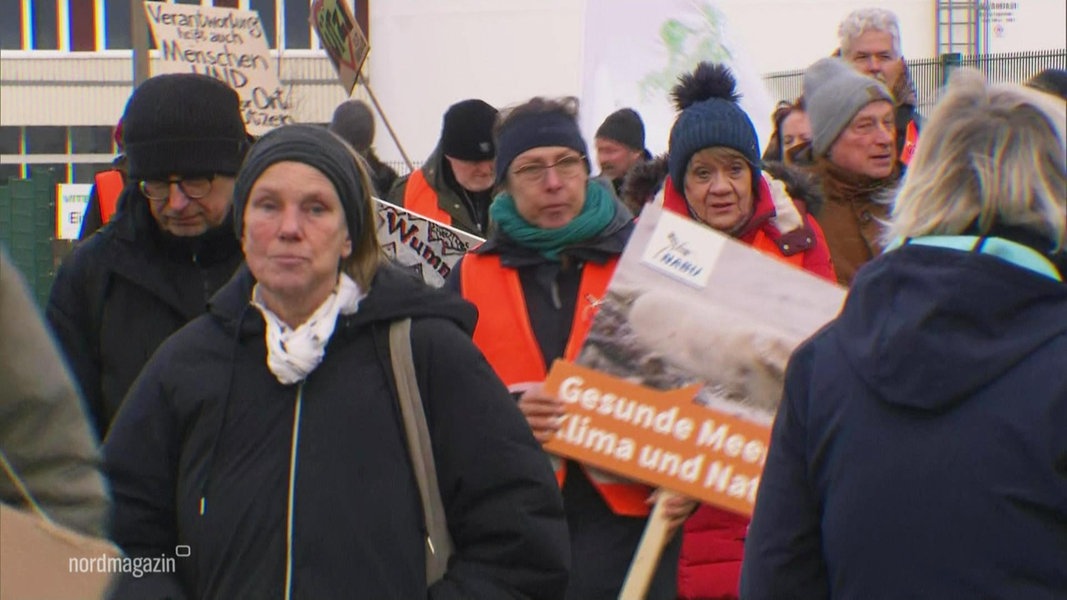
point(990, 154)
point(367, 256)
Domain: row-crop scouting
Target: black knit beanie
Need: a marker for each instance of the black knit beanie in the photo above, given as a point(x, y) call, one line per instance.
point(315, 147)
point(184, 124)
point(536, 130)
point(467, 131)
point(624, 126)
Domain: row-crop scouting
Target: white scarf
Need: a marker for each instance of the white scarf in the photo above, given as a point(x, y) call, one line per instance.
point(292, 354)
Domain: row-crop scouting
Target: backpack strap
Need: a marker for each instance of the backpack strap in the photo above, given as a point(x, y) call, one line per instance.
point(438, 541)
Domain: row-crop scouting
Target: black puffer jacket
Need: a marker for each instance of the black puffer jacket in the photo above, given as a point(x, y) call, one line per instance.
point(200, 455)
point(124, 290)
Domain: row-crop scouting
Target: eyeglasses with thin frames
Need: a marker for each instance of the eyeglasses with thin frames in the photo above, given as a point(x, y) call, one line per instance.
point(194, 188)
point(566, 167)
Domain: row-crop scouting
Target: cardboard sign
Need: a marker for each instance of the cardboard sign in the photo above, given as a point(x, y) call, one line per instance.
point(685, 361)
point(342, 38)
point(427, 247)
point(659, 438)
point(71, 201)
point(229, 45)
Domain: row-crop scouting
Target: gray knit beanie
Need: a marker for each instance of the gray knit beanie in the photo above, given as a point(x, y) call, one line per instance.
point(315, 147)
point(710, 117)
point(354, 122)
point(834, 93)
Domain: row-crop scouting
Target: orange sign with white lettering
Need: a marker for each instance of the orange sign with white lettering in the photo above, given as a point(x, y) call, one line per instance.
point(659, 438)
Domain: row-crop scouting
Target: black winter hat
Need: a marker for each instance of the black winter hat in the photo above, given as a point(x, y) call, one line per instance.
point(624, 126)
point(184, 124)
point(467, 131)
point(354, 122)
point(315, 147)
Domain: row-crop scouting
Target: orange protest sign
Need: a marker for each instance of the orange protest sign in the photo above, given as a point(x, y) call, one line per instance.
point(658, 437)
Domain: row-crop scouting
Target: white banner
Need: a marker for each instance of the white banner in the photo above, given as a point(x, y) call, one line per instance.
point(427, 247)
point(634, 50)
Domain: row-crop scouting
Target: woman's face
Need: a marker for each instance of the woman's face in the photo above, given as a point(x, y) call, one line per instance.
point(718, 189)
point(548, 185)
point(295, 236)
point(796, 130)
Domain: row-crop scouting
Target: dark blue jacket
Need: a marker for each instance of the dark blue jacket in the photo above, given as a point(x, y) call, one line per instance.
point(202, 450)
point(920, 450)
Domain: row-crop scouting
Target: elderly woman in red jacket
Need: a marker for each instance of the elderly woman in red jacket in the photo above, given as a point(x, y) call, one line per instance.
point(714, 176)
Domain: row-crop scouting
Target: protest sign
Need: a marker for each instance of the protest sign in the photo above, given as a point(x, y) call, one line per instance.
point(427, 247)
point(700, 317)
point(342, 38)
point(71, 201)
point(227, 44)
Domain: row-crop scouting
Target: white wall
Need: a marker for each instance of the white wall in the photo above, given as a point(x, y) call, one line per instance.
point(428, 54)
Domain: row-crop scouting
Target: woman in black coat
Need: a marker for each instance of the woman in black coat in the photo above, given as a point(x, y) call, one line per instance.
point(919, 450)
point(265, 440)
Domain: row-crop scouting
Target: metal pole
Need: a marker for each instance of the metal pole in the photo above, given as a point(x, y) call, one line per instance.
point(392, 133)
point(139, 41)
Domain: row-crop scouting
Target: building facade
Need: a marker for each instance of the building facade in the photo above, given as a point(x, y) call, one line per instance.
point(66, 71)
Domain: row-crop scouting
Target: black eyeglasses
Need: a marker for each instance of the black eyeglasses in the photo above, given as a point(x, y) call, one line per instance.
point(567, 167)
point(194, 188)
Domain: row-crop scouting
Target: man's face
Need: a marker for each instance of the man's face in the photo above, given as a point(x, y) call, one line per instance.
point(867, 145)
point(872, 53)
point(615, 159)
point(182, 216)
point(473, 176)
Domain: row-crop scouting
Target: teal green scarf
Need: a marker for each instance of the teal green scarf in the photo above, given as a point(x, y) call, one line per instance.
point(598, 211)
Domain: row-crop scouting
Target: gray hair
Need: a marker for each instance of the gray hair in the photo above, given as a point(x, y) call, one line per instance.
point(863, 20)
point(990, 154)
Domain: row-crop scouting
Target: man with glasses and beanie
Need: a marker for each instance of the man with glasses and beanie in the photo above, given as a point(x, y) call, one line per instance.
point(536, 282)
point(156, 266)
point(455, 185)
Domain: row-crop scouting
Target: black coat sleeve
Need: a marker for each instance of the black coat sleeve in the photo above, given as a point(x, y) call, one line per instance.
point(504, 508)
point(72, 313)
point(140, 458)
point(783, 550)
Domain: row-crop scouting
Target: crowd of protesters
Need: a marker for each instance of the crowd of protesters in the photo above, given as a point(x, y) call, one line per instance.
point(232, 330)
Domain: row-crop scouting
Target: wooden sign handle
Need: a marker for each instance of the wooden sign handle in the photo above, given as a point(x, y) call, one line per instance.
point(646, 559)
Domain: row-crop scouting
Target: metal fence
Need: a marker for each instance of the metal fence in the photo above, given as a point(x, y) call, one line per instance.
point(930, 74)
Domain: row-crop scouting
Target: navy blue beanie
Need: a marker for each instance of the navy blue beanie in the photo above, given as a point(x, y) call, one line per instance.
point(710, 117)
point(536, 130)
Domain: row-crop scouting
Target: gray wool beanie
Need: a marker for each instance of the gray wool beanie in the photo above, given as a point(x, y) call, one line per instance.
point(315, 147)
point(354, 122)
point(834, 93)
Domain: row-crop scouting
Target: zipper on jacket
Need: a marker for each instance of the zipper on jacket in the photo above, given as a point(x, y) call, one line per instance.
point(292, 493)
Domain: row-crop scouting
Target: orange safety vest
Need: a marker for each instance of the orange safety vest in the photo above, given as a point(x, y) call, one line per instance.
point(421, 199)
point(507, 340)
point(911, 142)
point(109, 185)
